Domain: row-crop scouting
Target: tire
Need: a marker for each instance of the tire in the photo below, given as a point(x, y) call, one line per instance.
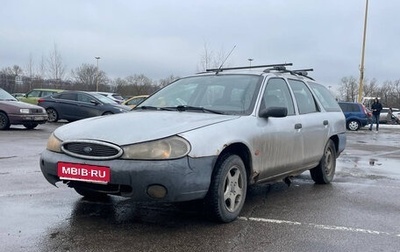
point(30, 126)
point(325, 171)
point(52, 114)
point(353, 125)
point(4, 121)
point(91, 195)
point(228, 188)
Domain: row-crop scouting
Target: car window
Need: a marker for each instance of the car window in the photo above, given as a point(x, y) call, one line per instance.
point(5, 96)
point(277, 94)
point(67, 96)
point(84, 98)
point(325, 97)
point(33, 93)
point(46, 93)
point(304, 98)
point(135, 101)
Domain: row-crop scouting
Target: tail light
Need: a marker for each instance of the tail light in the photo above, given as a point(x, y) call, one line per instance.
point(40, 100)
point(366, 111)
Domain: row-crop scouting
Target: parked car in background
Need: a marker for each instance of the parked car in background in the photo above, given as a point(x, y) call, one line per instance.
point(76, 105)
point(14, 112)
point(384, 114)
point(135, 100)
point(357, 115)
point(34, 95)
point(113, 96)
point(204, 137)
point(18, 95)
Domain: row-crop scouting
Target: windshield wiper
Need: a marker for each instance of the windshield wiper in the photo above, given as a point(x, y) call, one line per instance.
point(154, 108)
point(186, 108)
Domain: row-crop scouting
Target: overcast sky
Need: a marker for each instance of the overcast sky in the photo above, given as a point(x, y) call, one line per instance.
point(163, 37)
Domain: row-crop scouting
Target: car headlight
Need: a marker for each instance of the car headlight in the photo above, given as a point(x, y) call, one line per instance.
point(168, 148)
point(54, 144)
point(24, 111)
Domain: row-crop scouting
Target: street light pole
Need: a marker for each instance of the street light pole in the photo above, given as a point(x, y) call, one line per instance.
point(97, 73)
point(361, 86)
point(250, 60)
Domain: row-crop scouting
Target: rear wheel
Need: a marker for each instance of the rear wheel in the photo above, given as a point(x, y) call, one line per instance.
point(353, 125)
point(4, 121)
point(228, 188)
point(52, 114)
point(30, 126)
point(324, 172)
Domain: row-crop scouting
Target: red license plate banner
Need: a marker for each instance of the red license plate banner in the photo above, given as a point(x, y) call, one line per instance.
point(83, 172)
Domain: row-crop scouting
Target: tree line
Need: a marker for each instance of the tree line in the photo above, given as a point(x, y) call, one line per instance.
point(51, 73)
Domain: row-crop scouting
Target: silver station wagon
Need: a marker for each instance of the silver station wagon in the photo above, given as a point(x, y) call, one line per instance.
point(204, 137)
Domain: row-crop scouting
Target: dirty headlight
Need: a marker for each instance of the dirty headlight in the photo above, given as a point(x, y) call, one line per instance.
point(54, 144)
point(168, 148)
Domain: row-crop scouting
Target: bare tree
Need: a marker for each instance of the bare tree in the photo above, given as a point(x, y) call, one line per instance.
point(166, 81)
point(212, 59)
point(55, 65)
point(348, 89)
point(87, 76)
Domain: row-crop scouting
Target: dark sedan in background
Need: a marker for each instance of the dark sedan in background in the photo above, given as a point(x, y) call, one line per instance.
point(76, 105)
point(16, 112)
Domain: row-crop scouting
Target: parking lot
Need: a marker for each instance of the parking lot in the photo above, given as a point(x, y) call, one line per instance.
point(359, 211)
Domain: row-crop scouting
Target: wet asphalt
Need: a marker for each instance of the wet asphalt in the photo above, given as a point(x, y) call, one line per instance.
point(359, 211)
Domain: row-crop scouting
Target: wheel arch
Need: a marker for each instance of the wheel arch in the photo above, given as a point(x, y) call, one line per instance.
point(243, 152)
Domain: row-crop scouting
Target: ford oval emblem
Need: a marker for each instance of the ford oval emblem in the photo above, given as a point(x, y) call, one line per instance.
point(87, 149)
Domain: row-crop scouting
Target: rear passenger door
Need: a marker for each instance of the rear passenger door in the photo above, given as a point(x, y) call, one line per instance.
point(312, 123)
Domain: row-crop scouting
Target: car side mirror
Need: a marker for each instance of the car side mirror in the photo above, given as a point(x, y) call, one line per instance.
point(273, 112)
point(94, 102)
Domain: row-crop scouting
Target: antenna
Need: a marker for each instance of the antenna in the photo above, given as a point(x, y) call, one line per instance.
point(220, 67)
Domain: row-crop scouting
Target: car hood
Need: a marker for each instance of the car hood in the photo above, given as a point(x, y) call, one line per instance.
point(18, 104)
point(134, 127)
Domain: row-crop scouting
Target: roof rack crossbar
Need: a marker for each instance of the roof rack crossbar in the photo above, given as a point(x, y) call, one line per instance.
point(248, 67)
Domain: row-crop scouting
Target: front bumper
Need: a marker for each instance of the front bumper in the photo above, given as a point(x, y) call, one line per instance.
point(184, 179)
point(28, 118)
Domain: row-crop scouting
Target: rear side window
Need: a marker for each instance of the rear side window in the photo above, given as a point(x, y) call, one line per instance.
point(325, 97)
point(304, 98)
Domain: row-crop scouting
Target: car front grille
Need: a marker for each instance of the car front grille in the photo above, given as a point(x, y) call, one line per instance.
point(91, 149)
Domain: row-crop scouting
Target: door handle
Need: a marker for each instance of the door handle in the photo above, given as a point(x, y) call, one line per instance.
point(326, 122)
point(298, 126)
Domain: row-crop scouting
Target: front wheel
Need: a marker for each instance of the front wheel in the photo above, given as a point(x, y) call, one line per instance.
point(4, 121)
point(227, 192)
point(323, 173)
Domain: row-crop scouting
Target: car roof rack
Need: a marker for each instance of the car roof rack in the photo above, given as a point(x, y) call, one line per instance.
point(217, 70)
point(298, 72)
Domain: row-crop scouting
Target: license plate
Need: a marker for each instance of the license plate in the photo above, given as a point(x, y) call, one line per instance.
point(83, 172)
point(39, 118)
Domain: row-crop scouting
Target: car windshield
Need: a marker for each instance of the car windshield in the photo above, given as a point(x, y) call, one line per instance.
point(222, 94)
point(4, 96)
point(104, 99)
